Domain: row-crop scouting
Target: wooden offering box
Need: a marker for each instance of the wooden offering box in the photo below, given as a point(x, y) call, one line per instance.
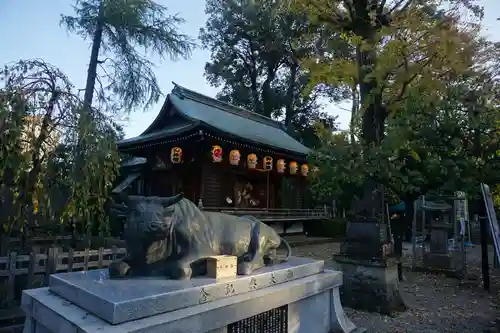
point(221, 266)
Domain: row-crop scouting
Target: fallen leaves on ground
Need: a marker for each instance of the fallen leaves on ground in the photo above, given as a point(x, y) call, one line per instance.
point(437, 304)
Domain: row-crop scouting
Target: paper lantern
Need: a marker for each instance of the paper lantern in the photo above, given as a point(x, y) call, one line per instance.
point(293, 168)
point(304, 170)
point(268, 163)
point(234, 157)
point(217, 154)
point(252, 160)
point(280, 165)
point(176, 155)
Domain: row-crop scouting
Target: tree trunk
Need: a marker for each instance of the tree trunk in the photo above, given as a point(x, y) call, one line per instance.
point(267, 105)
point(290, 94)
point(369, 92)
point(374, 114)
point(255, 92)
point(85, 112)
point(94, 60)
point(354, 111)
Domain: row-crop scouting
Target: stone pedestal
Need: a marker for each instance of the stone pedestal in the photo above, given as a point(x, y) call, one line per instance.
point(370, 285)
point(440, 232)
point(297, 296)
point(451, 263)
point(370, 276)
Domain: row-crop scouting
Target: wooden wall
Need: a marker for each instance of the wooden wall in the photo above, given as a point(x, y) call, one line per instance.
point(291, 191)
point(212, 186)
point(199, 177)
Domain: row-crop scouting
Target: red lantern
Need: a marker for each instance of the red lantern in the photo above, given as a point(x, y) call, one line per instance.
point(252, 160)
point(280, 165)
point(293, 168)
point(176, 155)
point(304, 170)
point(268, 163)
point(217, 153)
point(234, 157)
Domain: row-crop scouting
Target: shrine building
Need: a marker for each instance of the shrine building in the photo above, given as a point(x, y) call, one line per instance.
point(221, 157)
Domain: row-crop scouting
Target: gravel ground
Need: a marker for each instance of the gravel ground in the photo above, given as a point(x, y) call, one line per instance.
point(436, 303)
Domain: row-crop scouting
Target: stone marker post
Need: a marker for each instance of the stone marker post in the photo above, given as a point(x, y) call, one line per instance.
point(369, 272)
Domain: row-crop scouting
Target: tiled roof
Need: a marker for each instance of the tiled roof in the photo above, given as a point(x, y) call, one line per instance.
point(199, 109)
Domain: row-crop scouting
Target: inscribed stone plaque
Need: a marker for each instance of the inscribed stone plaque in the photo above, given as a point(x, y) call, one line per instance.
point(272, 321)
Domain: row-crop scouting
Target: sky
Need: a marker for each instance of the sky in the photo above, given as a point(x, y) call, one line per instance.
point(30, 29)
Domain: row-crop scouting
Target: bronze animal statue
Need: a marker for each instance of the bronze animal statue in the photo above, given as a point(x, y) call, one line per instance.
point(172, 237)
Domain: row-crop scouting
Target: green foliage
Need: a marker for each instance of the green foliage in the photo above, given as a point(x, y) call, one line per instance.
point(428, 95)
point(396, 45)
point(496, 196)
point(341, 170)
point(428, 146)
point(38, 111)
point(125, 32)
point(255, 58)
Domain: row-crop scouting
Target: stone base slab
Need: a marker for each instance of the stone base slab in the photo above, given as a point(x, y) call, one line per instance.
point(371, 287)
point(313, 306)
point(122, 300)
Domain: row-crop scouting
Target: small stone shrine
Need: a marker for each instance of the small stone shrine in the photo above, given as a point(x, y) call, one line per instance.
point(441, 255)
point(162, 286)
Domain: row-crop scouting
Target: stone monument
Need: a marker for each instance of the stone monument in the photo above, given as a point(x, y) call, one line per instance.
point(370, 273)
point(162, 286)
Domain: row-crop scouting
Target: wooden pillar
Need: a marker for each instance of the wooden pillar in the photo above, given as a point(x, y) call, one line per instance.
point(268, 192)
point(202, 169)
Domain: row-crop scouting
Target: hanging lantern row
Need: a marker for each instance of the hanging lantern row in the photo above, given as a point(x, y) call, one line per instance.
point(252, 161)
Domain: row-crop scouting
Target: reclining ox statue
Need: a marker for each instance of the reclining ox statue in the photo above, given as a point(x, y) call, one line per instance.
point(171, 237)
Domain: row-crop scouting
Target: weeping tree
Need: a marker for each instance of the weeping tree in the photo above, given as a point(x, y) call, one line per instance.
point(40, 119)
point(122, 34)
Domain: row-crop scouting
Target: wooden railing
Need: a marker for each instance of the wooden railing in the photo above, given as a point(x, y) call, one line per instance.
point(275, 214)
point(55, 261)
